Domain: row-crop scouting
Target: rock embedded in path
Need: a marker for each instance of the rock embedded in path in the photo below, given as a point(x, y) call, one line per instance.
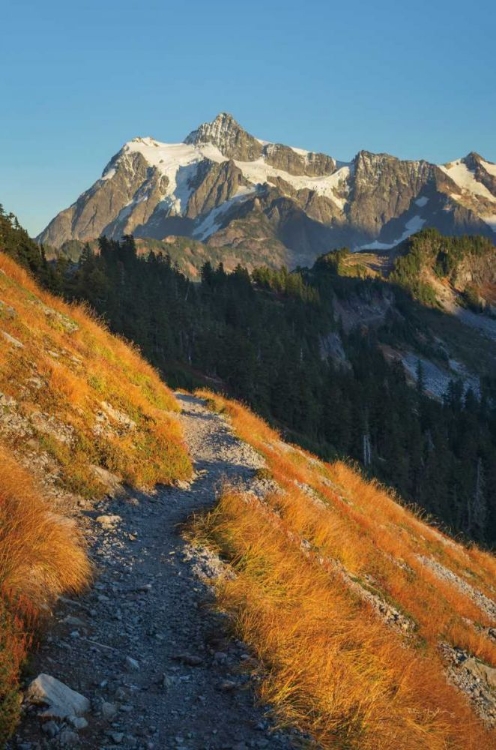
point(78, 722)
point(132, 665)
point(51, 728)
point(189, 659)
point(61, 700)
point(108, 521)
point(108, 710)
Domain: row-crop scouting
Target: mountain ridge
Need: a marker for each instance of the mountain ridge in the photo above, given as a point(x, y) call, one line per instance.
point(224, 187)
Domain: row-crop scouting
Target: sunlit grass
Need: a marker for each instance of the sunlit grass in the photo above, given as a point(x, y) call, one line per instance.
point(70, 368)
point(41, 556)
point(79, 400)
point(333, 666)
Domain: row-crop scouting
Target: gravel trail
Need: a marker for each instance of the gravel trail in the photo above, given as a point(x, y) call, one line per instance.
point(143, 644)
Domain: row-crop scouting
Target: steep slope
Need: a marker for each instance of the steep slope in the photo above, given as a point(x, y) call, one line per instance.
point(373, 629)
point(228, 189)
point(79, 396)
point(81, 414)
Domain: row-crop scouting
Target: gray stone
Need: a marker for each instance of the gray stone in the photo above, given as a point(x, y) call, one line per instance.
point(51, 728)
point(108, 710)
point(78, 722)
point(11, 340)
point(74, 621)
point(132, 665)
point(61, 700)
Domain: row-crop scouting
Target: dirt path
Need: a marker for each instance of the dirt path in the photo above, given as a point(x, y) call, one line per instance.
point(185, 688)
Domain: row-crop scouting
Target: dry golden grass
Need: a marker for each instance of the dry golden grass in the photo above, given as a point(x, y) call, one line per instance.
point(333, 666)
point(41, 553)
point(83, 399)
point(118, 413)
point(41, 556)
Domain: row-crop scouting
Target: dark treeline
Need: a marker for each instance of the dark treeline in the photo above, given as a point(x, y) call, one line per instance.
point(265, 339)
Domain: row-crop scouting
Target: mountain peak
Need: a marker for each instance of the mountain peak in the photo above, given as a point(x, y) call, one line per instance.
point(211, 132)
point(228, 136)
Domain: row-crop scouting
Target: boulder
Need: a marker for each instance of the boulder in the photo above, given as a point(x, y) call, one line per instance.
point(61, 700)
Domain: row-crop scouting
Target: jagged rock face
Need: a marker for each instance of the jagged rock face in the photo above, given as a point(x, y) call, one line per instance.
point(100, 206)
point(223, 182)
point(384, 188)
point(229, 137)
point(220, 183)
point(479, 167)
point(298, 163)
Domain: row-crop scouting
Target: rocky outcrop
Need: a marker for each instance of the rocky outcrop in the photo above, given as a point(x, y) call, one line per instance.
point(476, 164)
point(383, 189)
point(100, 207)
point(297, 162)
point(220, 183)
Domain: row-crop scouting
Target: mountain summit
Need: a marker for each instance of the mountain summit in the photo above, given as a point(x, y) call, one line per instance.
point(269, 202)
point(228, 136)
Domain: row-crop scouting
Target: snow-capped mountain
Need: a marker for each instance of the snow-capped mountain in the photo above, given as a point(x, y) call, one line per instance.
point(224, 187)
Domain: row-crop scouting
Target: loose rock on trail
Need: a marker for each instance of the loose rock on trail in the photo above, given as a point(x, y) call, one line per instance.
point(143, 645)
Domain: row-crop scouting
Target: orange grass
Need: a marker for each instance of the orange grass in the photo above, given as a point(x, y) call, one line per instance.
point(70, 368)
point(379, 542)
point(41, 557)
point(84, 399)
point(331, 668)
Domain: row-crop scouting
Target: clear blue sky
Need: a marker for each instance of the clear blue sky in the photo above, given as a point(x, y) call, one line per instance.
point(415, 79)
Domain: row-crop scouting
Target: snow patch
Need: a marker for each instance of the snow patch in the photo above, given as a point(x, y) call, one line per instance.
point(178, 162)
point(490, 221)
point(464, 178)
point(108, 174)
point(489, 167)
point(258, 173)
point(421, 202)
point(212, 222)
point(412, 226)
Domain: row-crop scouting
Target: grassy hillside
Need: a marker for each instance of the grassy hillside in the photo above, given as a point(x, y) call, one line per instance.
point(353, 604)
point(81, 396)
point(80, 411)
